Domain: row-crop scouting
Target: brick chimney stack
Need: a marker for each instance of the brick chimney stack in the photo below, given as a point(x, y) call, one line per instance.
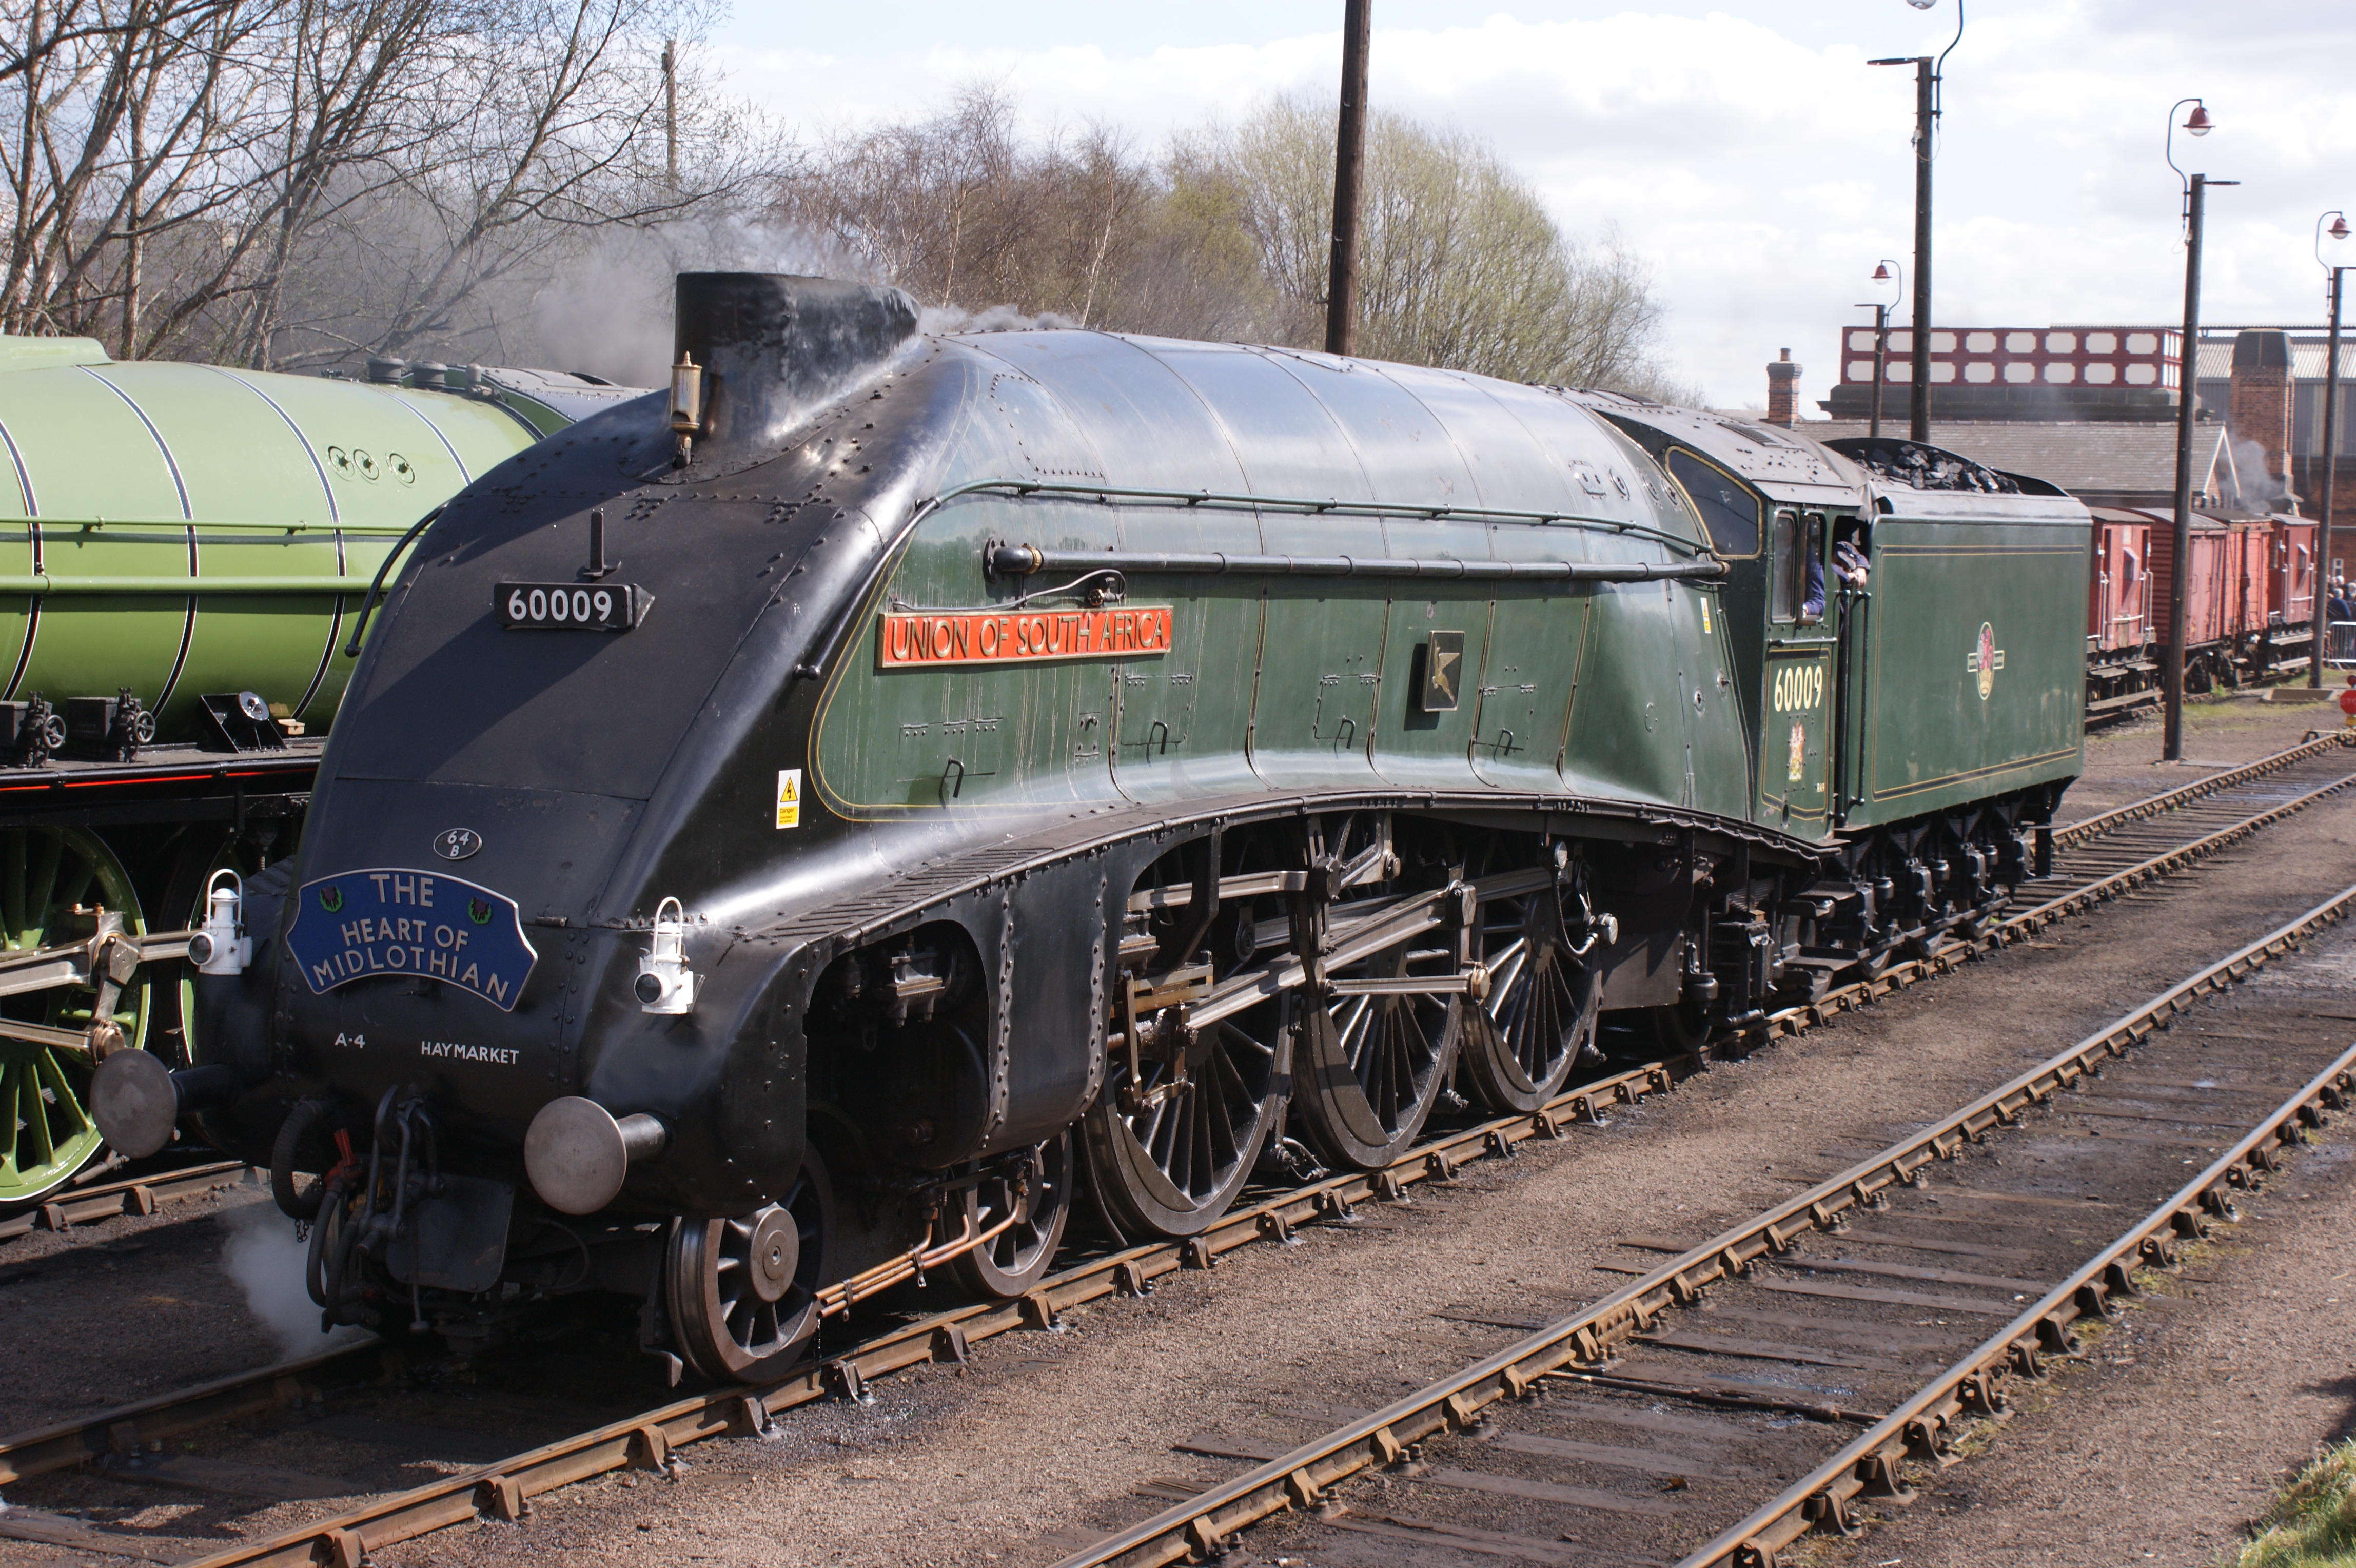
point(1784, 390)
point(2259, 408)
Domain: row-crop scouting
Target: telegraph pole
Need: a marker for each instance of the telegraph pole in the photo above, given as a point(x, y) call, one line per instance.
point(670, 109)
point(1349, 179)
point(1928, 74)
point(2320, 614)
point(1919, 364)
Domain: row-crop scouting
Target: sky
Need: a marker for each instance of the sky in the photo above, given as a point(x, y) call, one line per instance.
point(1746, 151)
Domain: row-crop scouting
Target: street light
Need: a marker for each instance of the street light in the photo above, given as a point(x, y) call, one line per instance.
point(2188, 382)
point(2332, 270)
point(1928, 75)
point(1883, 273)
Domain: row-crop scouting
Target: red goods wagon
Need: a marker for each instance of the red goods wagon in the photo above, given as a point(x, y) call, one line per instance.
point(2205, 581)
point(2119, 597)
point(2249, 551)
point(2290, 584)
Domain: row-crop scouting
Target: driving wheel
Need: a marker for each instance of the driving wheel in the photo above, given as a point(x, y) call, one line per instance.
point(1540, 1016)
point(45, 1130)
point(1168, 1149)
point(1372, 1066)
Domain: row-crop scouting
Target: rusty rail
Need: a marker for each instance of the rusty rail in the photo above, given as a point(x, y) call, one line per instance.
point(125, 1427)
point(1918, 1428)
point(1297, 1479)
point(132, 1195)
point(2169, 799)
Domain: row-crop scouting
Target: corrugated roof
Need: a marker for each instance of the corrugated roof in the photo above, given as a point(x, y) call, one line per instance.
point(2090, 456)
point(2307, 358)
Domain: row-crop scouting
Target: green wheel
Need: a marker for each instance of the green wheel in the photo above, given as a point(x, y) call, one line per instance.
point(47, 1134)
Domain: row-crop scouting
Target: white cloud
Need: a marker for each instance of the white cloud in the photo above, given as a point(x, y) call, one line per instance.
point(1754, 157)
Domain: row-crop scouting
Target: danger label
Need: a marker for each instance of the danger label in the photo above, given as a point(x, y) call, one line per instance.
point(789, 797)
point(1022, 636)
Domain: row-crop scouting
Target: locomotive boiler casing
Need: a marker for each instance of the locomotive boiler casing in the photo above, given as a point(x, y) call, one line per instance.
point(759, 748)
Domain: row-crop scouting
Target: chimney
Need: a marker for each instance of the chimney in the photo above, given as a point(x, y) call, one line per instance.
point(774, 350)
point(2259, 408)
point(1783, 389)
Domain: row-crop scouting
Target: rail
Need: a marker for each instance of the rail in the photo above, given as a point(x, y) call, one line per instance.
point(1819, 1499)
point(2169, 800)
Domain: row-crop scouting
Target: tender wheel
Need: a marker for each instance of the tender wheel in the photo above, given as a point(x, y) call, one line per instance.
point(46, 1131)
point(1371, 1068)
point(742, 1293)
point(1040, 1193)
point(1541, 1012)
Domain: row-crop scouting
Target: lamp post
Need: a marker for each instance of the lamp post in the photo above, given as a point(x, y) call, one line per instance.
point(2188, 378)
point(1880, 309)
point(1928, 75)
point(2339, 230)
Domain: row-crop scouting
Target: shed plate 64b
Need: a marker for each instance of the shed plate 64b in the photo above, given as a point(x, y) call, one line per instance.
point(357, 924)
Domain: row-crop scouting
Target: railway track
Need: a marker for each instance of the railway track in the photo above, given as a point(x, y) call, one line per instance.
point(1847, 1342)
point(142, 1194)
point(384, 1419)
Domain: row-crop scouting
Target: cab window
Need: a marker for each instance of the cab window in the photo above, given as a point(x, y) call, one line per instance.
point(1796, 557)
point(1727, 510)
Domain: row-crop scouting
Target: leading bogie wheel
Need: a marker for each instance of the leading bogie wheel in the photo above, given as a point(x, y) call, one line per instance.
point(742, 1294)
point(46, 1131)
point(1037, 1192)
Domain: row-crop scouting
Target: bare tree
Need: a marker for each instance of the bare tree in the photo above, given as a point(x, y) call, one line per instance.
point(293, 182)
point(1228, 235)
point(1460, 264)
point(961, 212)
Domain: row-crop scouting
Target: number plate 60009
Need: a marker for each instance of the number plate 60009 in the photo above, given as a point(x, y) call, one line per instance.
point(569, 606)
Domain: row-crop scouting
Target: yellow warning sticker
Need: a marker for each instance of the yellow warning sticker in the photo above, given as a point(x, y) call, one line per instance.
point(789, 797)
point(1705, 615)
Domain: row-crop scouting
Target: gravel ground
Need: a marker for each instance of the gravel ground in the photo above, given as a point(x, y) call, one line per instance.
point(1048, 1433)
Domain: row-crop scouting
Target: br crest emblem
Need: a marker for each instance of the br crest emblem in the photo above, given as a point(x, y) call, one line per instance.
point(1986, 661)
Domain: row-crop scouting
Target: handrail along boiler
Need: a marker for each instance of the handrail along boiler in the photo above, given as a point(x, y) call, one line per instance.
point(974, 777)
